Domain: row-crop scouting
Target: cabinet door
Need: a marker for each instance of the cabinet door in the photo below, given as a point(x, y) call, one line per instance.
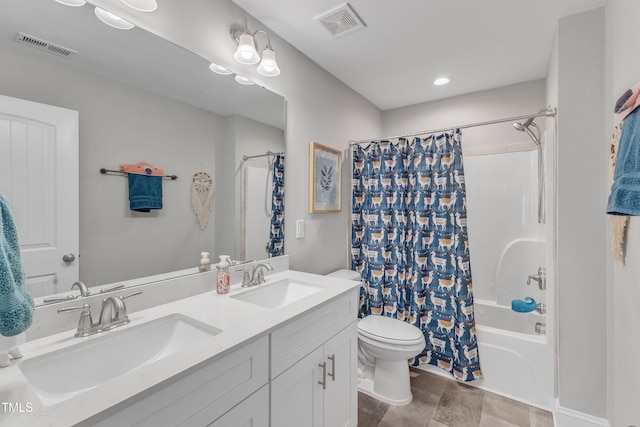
point(251, 412)
point(341, 395)
point(296, 395)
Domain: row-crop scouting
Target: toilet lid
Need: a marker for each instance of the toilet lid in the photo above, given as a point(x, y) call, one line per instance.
point(388, 329)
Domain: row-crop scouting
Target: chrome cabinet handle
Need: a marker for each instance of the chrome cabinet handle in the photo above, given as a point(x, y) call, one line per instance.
point(333, 367)
point(323, 383)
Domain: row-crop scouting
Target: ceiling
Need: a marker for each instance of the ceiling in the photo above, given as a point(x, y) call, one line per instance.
point(407, 44)
point(134, 57)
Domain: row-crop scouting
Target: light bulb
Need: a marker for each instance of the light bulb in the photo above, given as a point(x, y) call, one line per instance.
point(441, 81)
point(113, 20)
point(219, 69)
point(246, 52)
point(268, 66)
point(243, 80)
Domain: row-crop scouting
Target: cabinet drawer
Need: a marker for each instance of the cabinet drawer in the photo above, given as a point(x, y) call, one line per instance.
point(204, 395)
point(295, 340)
point(251, 412)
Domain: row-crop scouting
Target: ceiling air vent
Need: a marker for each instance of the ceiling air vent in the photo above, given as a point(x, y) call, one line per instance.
point(340, 21)
point(44, 45)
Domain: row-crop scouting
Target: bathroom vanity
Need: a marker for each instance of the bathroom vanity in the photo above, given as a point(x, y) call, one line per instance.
point(283, 353)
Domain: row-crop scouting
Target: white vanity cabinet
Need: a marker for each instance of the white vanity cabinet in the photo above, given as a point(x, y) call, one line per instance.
point(314, 368)
point(204, 395)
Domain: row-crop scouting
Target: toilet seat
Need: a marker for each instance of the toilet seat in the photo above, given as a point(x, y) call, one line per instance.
point(390, 331)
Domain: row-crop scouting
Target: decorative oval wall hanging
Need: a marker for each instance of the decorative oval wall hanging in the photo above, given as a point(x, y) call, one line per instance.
point(202, 197)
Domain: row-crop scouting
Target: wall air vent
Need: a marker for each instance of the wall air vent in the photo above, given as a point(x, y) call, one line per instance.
point(44, 45)
point(340, 21)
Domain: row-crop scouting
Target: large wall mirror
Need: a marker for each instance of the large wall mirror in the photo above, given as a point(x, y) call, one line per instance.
point(142, 98)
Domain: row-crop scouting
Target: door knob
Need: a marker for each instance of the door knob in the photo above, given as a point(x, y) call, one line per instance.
point(68, 258)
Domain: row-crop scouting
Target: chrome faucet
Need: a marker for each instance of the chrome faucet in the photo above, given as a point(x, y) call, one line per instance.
point(84, 290)
point(541, 278)
point(112, 315)
point(257, 275)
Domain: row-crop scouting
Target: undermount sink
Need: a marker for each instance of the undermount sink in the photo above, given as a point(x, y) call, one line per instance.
point(64, 373)
point(278, 294)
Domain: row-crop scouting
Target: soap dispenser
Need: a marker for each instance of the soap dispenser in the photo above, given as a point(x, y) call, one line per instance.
point(224, 278)
point(205, 264)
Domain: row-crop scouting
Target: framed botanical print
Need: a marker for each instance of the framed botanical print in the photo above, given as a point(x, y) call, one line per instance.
point(325, 183)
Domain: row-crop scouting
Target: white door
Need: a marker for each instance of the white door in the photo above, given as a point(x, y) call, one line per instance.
point(341, 395)
point(39, 178)
point(297, 396)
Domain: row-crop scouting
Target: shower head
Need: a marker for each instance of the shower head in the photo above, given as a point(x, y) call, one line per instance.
point(525, 127)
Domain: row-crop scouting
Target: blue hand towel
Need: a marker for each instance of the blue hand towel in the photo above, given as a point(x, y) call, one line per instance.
point(625, 191)
point(145, 192)
point(16, 305)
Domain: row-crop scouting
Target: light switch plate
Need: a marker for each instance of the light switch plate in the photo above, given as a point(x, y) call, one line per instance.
point(299, 228)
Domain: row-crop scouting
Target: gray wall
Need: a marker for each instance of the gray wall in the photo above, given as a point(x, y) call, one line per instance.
point(576, 84)
point(319, 108)
point(121, 124)
point(623, 291)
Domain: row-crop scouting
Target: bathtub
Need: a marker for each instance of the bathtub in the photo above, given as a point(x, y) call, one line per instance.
point(516, 362)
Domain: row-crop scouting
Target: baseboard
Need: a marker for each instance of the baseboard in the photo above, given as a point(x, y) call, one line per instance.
point(565, 417)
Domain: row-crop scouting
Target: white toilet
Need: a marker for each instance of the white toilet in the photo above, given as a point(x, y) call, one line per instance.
point(384, 346)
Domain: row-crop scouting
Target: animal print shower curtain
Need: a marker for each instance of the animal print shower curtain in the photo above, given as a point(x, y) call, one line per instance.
point(409, 242)
point(276, 232)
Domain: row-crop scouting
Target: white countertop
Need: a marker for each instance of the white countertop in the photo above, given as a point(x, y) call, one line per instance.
point(239, 321)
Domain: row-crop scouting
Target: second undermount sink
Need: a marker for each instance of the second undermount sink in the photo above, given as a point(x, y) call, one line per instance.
point(64, 373)
point(278, 294)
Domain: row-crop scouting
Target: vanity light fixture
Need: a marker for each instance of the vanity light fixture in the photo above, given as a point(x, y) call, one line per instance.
point(247, 52)
point(219, 69)
point(113, 20)
point(243, 80)
point(441, 81)
point(74, 3)
point(141, 5)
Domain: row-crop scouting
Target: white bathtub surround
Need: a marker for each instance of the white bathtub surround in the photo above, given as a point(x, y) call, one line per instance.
point(508, 245)
point(241, 323)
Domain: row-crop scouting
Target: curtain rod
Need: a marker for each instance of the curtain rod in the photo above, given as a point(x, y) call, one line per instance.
point(268, 153)
point(548, 112)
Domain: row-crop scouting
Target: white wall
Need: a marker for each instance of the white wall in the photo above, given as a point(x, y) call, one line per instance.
point(576, 83)
point(623, 40)
point(116, 243)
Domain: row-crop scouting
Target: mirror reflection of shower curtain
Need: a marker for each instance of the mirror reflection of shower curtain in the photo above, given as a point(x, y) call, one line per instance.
point(256, 223)
point(276, 229)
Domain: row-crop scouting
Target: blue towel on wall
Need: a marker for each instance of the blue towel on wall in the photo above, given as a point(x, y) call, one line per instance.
point(145, 192)
point(16, 305)
point(625, 191)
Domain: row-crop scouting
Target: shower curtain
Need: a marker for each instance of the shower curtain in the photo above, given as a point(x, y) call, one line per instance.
point(276, 232)
point(409, 242)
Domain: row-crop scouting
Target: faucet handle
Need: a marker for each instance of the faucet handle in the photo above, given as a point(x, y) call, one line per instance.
point(133, 294)
point(113, 288)
point(85, 324)
point(246, 279)
point(85, 307)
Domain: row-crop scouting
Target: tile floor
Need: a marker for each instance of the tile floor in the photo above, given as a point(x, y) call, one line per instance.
point(440, 402)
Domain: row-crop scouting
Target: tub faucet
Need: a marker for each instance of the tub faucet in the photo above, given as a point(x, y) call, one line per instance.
point(541, 278)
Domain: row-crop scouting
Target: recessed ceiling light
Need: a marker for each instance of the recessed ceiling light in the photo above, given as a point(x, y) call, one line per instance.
point(219, 69)
point(441, 81)
point(243, 80)
point(74, 3)
point(113, 20)
point(141, 5)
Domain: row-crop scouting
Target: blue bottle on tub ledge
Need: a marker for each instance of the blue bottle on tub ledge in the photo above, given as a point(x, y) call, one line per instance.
point(523, 306)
